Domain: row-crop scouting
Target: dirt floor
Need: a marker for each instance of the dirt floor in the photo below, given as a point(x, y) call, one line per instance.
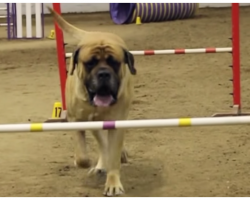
point(199, 161)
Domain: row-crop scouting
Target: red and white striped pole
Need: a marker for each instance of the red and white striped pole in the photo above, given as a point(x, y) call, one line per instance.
point(176, 51)
point(182, 51)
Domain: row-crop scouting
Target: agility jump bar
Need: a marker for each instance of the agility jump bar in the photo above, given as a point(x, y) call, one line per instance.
point(176, 51)
point(127, 124)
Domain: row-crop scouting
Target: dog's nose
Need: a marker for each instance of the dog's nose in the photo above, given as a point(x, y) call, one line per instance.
point(103, 74)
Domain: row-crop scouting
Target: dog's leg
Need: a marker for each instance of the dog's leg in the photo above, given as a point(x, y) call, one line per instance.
point(102, 145)
point(81, 158)
point(124, 156)
point(113, 185)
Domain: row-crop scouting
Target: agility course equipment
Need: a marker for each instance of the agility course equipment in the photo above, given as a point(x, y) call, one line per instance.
point(14, 16)
point(235, 50)
point(125, 124)
point(125, 13)
point(175, 51)
point(7, 18)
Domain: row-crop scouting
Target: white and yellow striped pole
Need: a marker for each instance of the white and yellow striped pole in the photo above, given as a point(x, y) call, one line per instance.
point(104, 125)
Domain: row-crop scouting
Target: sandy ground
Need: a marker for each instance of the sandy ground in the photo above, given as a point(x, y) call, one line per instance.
point(200, 161)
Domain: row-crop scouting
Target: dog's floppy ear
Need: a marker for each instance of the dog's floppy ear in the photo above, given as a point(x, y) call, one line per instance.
point(75, 60)
point(129, 59)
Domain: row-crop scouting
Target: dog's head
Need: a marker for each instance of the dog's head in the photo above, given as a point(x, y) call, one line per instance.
point(101, 63)
point(102, 68)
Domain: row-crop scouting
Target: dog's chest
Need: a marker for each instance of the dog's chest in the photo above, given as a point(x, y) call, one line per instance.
point(92, 114)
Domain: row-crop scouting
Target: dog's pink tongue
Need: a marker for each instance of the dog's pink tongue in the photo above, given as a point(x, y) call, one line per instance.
point(103, 101)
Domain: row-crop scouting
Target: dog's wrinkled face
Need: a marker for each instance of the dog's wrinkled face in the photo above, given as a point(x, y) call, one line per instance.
point(101, 70)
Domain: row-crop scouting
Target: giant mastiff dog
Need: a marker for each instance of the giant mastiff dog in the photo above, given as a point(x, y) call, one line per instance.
point(99, 87)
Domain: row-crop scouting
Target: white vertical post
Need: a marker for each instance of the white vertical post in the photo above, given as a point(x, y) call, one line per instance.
point(38, 11)
point(28, 21)
point(19, 20)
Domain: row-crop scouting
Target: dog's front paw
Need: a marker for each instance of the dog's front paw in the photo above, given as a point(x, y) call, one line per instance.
point(113, 186)
point(82, 162)
point(96, 171)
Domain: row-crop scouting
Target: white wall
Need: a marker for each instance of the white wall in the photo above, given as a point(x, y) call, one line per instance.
point(94, 7)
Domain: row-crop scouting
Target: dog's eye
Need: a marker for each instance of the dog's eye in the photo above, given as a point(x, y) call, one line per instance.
point(112, 62)
point(91, 63)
